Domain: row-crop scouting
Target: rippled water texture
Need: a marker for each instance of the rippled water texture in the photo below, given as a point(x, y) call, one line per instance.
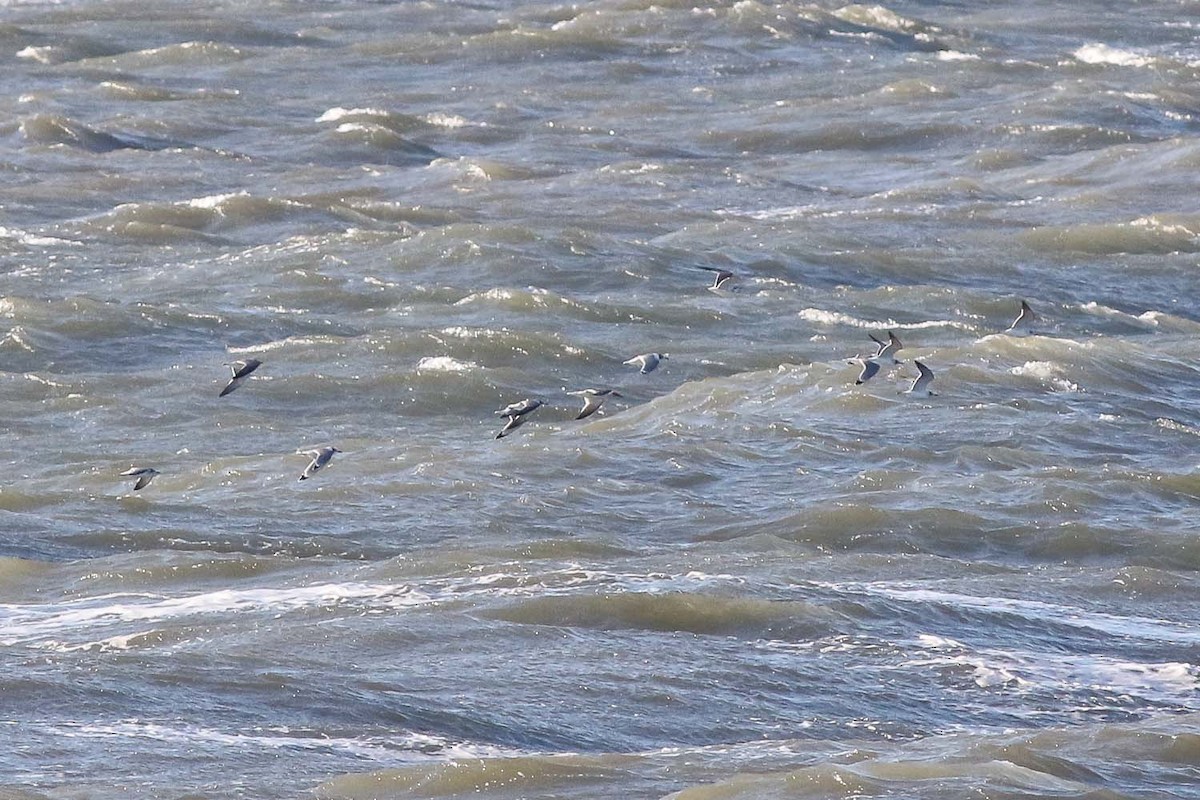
point(746, 576)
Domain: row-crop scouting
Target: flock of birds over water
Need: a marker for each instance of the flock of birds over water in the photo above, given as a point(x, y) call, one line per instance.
point(517, 414)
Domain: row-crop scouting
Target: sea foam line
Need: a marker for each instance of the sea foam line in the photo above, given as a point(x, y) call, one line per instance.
point(1034, 610)
point(410, 745)
point(46, 624)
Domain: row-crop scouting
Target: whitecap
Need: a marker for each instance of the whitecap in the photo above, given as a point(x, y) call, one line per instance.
point(822, 317)
point(444, 120)
point(16, 335)
point(356, 127)
point(445, 364)
point(418, 746)
point(877, 16)
point(490, 294)
point(1131, 627)
point(1099, 53)
point(43, 55)
point(337, 112)
point(25, 622)
point(1047, 372)
point(1172, 425)
point(955, 55)
point(33, 240)
point(934, 642)
point(463, 332)
point(213, 201)
point(43, 381)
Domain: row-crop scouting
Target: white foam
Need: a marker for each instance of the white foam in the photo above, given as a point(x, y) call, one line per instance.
point(20, 623)
point(445, 364)
point(462, 332)
point(43, 55)
point(1098, 53)
point(44, 381)
point(337, 112)
point(1065, 673)
point(1159, 225)
point(1132, 627)
point(822, 317)
point(933, 642)
point(442, 120)
point(954, 55)
point(1047, 372)
point(490, 294)
point(1172, 425)
point(403, 745)
point(16, 335)
point(88, 623)
point(214, 201)
point(462, 167)
point(32, 239)
point(878, 16)
point(357, 127)
point(782, 214)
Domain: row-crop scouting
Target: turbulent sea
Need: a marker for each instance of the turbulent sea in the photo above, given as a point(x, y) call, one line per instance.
point(746, 577)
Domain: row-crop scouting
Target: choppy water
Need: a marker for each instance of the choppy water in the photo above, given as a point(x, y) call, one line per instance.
point(748, 577)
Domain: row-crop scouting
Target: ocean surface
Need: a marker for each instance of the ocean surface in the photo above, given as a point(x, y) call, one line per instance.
point(747, 576)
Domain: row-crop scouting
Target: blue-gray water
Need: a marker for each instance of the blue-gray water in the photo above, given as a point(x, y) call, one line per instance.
point(748, 577)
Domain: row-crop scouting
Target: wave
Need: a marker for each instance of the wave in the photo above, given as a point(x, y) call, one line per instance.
point(1113, 760)
point(1154, 235)
point(55, 129)
point(385, 140)
point(831, 318)
point(49, 625)
point(676, 611)
point(145, 92)
point(518, 774)
point(213, 218)
point(1026, 613)
point(1110, 760)
point(180, 54)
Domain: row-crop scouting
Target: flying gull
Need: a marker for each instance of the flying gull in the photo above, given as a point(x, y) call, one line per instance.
point(887, 349)
point(593, 399)
point(320, 457)
point(869, 368)
point(721, 276)
point(648, 362)
point(517, 413)
point(143, 474)
point(1024, 320)
point(241, 371)
point(921, 384)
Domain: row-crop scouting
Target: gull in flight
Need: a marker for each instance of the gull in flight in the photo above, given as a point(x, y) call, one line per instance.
point(921, 384)
point(320, 457)
point(241, 371)
point(648, 362)
point(593, 399)
point(143, 474)
point(517, 413)
point(1024, 320)
point(869, 369)
point(887, 349)
point(721, 276)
